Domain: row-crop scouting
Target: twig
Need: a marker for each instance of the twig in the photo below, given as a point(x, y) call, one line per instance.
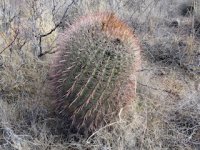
point(108, 125)
point(10, 42)
point(46, 52)
point(153, 88)
point(52, 30)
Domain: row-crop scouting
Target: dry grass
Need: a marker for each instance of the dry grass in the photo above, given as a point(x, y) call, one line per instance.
point(165, 115)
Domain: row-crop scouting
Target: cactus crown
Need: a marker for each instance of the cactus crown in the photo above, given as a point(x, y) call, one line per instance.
point(91, 74)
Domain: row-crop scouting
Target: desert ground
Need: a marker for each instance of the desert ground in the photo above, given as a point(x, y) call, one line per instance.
point(165, 114)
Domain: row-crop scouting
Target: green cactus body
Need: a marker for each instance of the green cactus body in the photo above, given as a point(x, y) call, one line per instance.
point(94, 71)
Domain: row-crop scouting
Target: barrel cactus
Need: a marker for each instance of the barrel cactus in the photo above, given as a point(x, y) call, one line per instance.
point(94, 70)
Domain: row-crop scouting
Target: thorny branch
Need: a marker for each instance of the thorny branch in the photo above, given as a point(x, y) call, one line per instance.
point(52, 30)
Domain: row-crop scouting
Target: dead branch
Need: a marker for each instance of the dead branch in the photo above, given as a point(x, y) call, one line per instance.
point(16, 34)
point(52, 30)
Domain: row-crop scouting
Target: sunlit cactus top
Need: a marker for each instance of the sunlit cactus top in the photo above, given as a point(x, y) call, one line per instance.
point(94, 71)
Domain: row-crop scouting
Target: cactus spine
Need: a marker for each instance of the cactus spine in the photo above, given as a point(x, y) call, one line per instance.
point(94, 72)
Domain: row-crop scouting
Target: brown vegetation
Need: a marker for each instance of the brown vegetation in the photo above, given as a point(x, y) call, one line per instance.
point(165, 113)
